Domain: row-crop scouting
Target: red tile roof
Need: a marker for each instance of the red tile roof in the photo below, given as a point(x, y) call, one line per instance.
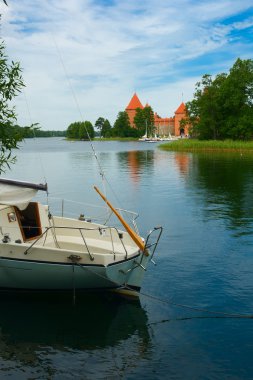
point(134, 103)
point(181, 108)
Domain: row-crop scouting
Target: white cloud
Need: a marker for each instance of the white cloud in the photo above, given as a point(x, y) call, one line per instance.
point(108, 52)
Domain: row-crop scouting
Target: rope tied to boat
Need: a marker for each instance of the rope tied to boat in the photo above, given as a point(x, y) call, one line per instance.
point(215, 313)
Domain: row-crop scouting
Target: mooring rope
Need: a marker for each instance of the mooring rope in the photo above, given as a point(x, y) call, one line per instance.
point(216, 314)
point(198, 309)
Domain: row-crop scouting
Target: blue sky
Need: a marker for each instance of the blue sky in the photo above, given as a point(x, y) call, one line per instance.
point(84, 59)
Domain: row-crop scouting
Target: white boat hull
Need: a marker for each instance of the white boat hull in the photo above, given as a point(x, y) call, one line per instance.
point(39, 251)
point(33, 275)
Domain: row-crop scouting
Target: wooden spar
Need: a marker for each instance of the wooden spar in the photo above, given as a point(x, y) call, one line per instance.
point(136, 238)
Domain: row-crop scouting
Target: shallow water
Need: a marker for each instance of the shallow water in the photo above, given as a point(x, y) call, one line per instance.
point(204, 260)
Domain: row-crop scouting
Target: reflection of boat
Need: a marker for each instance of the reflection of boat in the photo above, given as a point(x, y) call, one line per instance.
point(97, 321)
point(40, 251)
point(154, 140)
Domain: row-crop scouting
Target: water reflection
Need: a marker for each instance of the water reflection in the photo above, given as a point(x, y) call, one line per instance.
point(183, 162)
point(97, 322)
point(136, 163)
point(226, 182)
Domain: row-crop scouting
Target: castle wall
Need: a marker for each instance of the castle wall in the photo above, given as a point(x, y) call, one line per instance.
point(163, 126)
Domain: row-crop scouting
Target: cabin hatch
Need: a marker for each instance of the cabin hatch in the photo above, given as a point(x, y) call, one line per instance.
point(29, 221)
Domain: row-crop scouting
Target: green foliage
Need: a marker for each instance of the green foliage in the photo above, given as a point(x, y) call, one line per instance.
point(35, 131)
point(140, 121)
point(99, 124)
point(143, 117)
point(11, 83)
point(122, 127)
point(80, 130)
point(107, 129)
point(223, 107)
point(104, 127)
point(194, 145)
point(144, 121)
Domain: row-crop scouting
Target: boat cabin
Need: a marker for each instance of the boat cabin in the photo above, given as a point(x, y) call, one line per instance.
point(20, 217)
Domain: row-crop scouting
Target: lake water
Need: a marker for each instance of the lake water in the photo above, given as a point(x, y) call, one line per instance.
point(204, 260)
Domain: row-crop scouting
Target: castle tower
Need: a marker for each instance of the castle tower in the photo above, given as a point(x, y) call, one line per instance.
point(180, 114)
point(131, 108)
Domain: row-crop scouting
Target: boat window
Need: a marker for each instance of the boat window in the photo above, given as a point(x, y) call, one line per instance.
point(11, 217)
point(29, 221)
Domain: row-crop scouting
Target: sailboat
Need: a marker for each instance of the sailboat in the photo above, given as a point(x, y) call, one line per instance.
point(145, 137)
point(40, 251)
point(150, 139)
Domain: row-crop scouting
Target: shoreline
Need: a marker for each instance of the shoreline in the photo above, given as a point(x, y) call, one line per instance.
point(190, 145)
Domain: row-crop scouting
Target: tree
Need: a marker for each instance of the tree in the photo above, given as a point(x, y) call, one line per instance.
point(73, 130)
point(140, 122)
point(99, 124)
point(104, 127)
point(122, 127)
point(238, 100)
point(223, 107)
point(11, 83)
point(144, 121)
point(80, 130)
point(86, 131)
point(205, 111)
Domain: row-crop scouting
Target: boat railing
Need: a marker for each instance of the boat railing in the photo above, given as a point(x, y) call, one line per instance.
point(82, 230)
point(90, 212)
point(133, 217)
point(152, 241)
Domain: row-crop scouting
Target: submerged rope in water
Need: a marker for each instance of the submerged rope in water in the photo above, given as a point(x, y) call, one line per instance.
point(219, 314)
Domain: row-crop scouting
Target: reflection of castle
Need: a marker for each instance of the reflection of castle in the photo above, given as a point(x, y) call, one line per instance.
point(163, 126)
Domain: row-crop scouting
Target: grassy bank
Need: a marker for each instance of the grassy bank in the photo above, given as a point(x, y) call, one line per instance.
point(191, 145)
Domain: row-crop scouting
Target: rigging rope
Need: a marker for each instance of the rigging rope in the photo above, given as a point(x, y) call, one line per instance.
point(101, 171)
point(34, 136)
point(38, 152)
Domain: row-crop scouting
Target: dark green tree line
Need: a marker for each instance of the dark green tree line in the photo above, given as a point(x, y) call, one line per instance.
point(222, 107)
point(80, 130)
point(29, 132)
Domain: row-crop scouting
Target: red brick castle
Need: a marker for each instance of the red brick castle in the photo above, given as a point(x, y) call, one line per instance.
point(163, 126)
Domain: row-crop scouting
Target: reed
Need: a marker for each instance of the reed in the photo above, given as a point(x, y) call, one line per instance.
point(192, 145)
